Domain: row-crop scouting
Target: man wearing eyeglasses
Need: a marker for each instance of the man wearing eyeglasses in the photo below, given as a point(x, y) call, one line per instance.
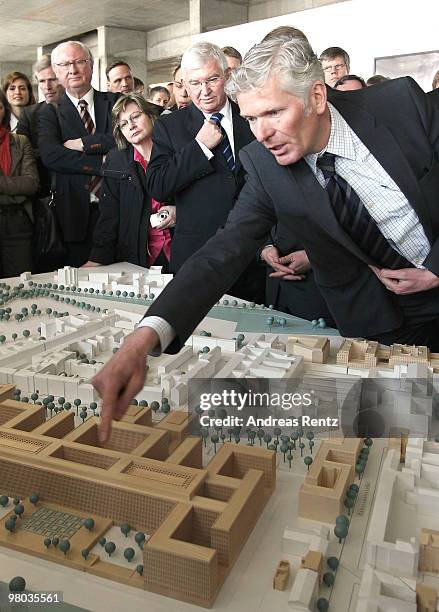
point(73, 140)
point(195, 161)
point(335, 63)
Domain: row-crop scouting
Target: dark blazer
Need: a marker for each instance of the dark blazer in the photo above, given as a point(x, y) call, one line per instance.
point(74, 169)
point(204, 190)
point(401, 128)
point(121, 231)
point(28, 126)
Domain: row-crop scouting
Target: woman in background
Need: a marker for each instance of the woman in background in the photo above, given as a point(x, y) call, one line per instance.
point(18, 182)
point(18, 90)
point(123, 231)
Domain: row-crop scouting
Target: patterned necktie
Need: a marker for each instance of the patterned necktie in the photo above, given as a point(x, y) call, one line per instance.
point(226, 149)
point(95, 183)
point(355, 219)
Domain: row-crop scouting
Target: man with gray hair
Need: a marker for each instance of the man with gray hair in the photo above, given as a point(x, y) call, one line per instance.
point(73, 139)
point(356, 180)
point(28, 122)
point(194, 161)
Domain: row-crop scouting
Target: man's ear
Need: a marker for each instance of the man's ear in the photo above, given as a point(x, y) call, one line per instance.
point(318, 96)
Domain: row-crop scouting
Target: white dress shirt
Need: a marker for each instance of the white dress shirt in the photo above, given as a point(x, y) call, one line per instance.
point(89, 98)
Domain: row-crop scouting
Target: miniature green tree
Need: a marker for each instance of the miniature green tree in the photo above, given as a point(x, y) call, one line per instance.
point(322, 604)
point(64, 546)
point(83, 414)
point(85, 552)
point(110, 547)
point(140, 538)
point(129, 554)
point(89, 524)
point(47, 542)
point(19, 509)
point(328, 578)
point(368, 442)
point(55, 541)
point(34, 498)
point(301, 446)
point(125, 529)
point(341, 531)
point(10, 524)
point(214, 439)
point(4, 500)
point(204, 433)
point(307, 461)
point(17, 584)
point(290, 459)
point(333, 563)
point(155, 406)
point(102, 541)
point(139, 569)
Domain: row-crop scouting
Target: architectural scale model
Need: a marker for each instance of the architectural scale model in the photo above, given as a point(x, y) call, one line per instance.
point(316, 513)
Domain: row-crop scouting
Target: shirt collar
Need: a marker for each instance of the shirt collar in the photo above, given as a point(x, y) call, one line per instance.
point(88, 97)
point(226, 110)
point(138, 156)
point(340, 141)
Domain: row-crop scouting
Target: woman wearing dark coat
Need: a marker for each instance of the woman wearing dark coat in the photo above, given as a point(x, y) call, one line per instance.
point(123, 231)
point(18, 183)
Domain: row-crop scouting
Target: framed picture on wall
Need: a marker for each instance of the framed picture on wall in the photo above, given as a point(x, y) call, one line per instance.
point(421, 66)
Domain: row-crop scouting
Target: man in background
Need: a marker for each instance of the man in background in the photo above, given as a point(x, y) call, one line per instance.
point(233, 57)
point(159, 95)
point(335, 63)
point(73, 140)
point(119, 78)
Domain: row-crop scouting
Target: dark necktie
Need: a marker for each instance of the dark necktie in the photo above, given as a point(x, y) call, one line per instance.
point(95, 183)
point(226, 149)
point(355, 219)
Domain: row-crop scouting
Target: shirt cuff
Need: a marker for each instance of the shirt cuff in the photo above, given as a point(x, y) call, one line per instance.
point(163, 329)
point(207, 152)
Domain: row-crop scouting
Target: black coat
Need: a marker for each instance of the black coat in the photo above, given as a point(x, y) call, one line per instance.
point(74, 169)
point(121, 231)
point(399, 125)
point(204, 190)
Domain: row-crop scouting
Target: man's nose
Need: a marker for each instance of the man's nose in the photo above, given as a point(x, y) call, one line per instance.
point(263, 130)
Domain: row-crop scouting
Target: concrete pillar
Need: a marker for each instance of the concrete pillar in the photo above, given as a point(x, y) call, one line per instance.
point(121, 44)
point(7, 67)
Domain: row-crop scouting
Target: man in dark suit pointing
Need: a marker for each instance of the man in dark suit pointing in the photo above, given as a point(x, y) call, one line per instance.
point(355, 177)
point(195, 161)
point(73, 139)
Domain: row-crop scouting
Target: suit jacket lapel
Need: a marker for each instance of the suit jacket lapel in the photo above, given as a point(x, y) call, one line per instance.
point(69, 114)
point(383, 146)
point(316, 205)
point(195, 119)
point(102, 107)
point(241, 134)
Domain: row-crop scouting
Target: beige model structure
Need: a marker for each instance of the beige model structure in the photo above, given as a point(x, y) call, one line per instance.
point(358, 353)
point(6, 392)
point(150, 477)
point(429, 551)
point(426, 598)
point(313, 560)
point(322, 495)
point(402, 353)
point(281, 576)
point(314, 349)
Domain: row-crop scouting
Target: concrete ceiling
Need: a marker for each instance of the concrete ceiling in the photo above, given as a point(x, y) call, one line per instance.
point(27, 24)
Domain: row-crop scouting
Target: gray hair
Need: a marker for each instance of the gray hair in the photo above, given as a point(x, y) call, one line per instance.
point(293, 61)
point(41, 64)
point(200, 53)
point(56, 51)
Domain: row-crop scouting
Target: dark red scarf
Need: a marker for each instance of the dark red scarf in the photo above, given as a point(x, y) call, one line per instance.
point(5, 152)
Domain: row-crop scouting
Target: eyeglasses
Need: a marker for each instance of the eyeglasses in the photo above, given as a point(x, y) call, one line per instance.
point(337, 67)
point(210, 82)
point(131, 119)
point(79, 63)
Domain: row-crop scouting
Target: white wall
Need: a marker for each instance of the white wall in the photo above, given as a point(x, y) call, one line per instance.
point(367, 29)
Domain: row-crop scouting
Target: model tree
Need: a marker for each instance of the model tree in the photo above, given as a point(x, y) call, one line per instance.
point(140, 538)
point(214, 439)
point(83, 414)
point(85, 552)
point(125, 529)
point(139, 569)
point(34, 498)
point(129, 554)
point(110, 547)
point(328, 578)
point(102, 541)
point(17, 584)
point(4, 500)
point(64, 546)
point(55, 541)
point(47, 542)
point(10, 525)
point(89, 524)
point(322, 604)
point(333, 563)
point(290, 459)
point(341, 531)
point(19, 509)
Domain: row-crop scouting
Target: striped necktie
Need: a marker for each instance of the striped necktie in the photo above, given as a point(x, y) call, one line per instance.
point(355, 219)
point(95, 183)
point(226, 149)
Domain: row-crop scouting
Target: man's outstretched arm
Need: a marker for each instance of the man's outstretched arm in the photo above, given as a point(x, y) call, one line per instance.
point(123, 377)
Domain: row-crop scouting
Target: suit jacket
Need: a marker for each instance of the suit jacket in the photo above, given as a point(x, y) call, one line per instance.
point(74, 169)
point(23, 182)
point(122, 229)
point(28, 126)
point(204, 190)
point(401, 129)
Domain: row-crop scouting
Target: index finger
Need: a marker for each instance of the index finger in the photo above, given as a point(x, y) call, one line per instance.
point(109, 404)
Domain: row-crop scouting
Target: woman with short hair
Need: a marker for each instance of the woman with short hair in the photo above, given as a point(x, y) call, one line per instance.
point(18, 90)
point(124, 231)
point(18, 182)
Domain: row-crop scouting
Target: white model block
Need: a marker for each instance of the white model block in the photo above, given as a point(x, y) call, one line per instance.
point(298, 543)
point(56, 384)
point(150, 394)
point(87, 393)
point(304, 592)
point(179, 395)
point(98, 277)
point(48, 329)
point(173, 362)
point(71, 386)
point(25, 276)
point(41, 384)
point(24, 380)
point(123, 324)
